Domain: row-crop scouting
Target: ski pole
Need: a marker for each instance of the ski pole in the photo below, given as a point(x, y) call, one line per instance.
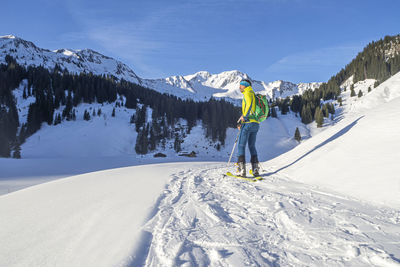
point(233, 149)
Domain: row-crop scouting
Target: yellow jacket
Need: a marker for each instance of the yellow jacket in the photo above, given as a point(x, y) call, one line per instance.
point(248, 104)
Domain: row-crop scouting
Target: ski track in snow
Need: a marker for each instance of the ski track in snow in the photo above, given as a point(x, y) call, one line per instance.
point(203, 219)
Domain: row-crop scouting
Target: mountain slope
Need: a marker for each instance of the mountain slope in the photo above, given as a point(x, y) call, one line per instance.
point(357, 156)
point(28, 54)
point(203, 85)
point(84, 220)
point(199, 86)
point(126, 217)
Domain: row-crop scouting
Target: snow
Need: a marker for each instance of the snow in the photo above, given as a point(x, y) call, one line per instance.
point(358, 155)
point(75, 61)
point(8, 36)
point(188, 214)
point(384, 93)
point(80, 196)
point(98, 137)
point(202, 85)
point(23, 106)
point(204, 219)
point(80, 138)
point(85, 220)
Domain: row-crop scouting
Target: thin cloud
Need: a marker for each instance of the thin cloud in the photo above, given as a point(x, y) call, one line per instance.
point(315, 63)
point(132, 41)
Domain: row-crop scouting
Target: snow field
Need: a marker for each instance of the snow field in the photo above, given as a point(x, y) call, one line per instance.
point(203, 219)
point(92, 219)
point(358, 155)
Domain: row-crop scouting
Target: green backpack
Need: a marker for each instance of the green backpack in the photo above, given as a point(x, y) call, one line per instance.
point(262, 108)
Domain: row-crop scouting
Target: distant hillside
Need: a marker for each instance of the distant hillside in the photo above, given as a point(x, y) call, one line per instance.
point(200, 86)
point(379, 61)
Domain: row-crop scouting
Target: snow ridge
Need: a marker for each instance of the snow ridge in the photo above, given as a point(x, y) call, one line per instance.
point(200, 86)
point(226, 84)
point(76, 61)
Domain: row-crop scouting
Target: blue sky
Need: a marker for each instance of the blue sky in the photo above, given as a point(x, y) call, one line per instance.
point(294, 40)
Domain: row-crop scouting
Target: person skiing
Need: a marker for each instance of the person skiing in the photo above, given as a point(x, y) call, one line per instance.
point(248, 128)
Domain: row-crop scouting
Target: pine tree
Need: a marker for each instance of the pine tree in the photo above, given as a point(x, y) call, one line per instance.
point(297, 135)
point(57, 120)
point(177, 143)
point(273, 112)
point(152, 140)
point(360, 93)
point(141, 146)
point(86, 115)
point(4, 145)
point(99, 112)
point(325, 110)
point(284, 106)
point(140, 117)
point(306, 116)
point(17, 152)
point(319, 117)
point(340, 101)
point(113, 113)
point(352, 93)
point(94, 113)
point(369, 89)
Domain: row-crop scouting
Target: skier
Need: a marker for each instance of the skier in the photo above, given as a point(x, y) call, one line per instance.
point(248, 130)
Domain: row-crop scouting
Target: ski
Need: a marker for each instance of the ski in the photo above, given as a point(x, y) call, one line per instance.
point(250, 179)
point(259, 177)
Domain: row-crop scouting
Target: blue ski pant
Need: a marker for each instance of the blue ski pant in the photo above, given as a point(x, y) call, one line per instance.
point(248, 133)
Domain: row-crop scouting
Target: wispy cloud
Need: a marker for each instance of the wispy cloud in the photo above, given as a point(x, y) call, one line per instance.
point(315, 64)
point(132, 40)
point(160, 30)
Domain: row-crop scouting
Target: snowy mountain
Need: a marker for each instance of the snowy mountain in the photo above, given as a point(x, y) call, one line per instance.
point(363, 146)
point(331, 200)
point(203, 84)
point(99, 137)
point(199, 86)
point(75, 61)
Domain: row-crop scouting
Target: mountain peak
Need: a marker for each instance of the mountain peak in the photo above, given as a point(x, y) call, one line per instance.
point(75, 61)
point(233, 72)
point(8, 37)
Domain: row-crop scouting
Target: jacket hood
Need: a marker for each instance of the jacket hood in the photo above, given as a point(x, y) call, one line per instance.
point(247, 89)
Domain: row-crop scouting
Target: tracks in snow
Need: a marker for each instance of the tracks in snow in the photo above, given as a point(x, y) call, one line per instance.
point(204, 219)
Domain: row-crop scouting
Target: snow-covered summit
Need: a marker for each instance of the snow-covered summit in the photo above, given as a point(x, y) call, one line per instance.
point(76, 61)
point(198, 76)
point(225, 84)
point(7, 37)
point(198, 86)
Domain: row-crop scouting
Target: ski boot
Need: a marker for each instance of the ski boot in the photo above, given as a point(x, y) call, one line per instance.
point(241, 164)
point(255, 167)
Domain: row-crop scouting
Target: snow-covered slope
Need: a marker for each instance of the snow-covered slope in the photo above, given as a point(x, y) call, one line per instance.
point(129, 217)
point(359, 155)
point(84, 220)
point(76, 61)
point(114, 136)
